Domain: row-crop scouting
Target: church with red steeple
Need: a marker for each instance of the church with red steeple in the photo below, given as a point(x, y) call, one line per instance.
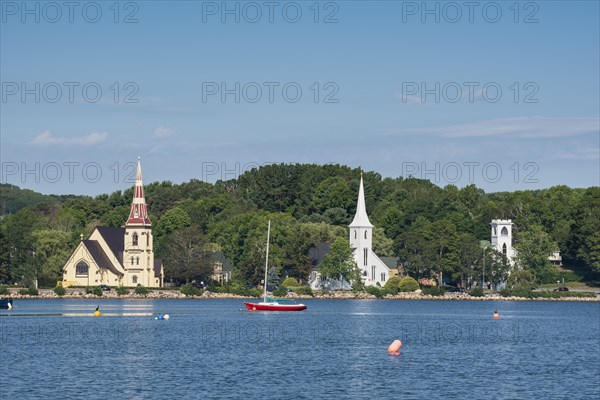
point(121, 256)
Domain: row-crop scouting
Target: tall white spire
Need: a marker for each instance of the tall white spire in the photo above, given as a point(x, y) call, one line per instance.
point(360, 218)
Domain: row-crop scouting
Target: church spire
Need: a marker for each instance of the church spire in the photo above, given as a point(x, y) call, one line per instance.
point(360, 218)
point(138, 216)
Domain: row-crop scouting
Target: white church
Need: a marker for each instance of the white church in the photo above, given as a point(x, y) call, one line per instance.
point(121, 256)
point(502, 239)
point(372, 269)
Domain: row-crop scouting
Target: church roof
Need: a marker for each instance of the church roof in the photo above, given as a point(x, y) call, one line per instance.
point(361, 220)
point(390, 262)
point(115, 239)
point(138, 215)
point(99, 256)
point(318, 253)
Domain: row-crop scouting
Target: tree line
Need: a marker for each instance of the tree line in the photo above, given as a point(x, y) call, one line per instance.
point(429, 228)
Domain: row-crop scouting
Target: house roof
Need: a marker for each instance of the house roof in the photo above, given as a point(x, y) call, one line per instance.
point(99, 256)
point(115, 239)
point(218, 256)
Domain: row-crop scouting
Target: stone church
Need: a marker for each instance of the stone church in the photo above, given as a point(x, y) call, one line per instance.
point(118, 256)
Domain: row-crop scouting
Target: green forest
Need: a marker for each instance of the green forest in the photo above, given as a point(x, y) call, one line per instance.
point(429, 228)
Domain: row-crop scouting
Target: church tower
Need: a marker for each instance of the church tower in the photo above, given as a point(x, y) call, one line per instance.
point(361, 232)
point(502, 238)
point(138, 255)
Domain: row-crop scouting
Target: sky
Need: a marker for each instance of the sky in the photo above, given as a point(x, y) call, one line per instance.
point(504, 95)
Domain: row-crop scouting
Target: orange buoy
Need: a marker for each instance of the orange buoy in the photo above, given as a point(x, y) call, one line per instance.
point(394, 347)
point(496, 315)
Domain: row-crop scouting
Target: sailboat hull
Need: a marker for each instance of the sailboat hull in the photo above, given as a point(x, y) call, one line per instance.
point(274, 307)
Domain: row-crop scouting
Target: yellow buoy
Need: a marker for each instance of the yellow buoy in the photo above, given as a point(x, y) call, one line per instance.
point(97, 313)
point(394, 347)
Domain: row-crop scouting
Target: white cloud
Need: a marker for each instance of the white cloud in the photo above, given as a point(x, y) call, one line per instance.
point(46, 138)
point(525, 127)
point(162, 132)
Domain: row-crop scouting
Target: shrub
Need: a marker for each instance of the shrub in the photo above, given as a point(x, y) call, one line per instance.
point(392, 285)
point(141, 290)
point(121, 291)
point(60, 291)
point(95, 290)
point(375, 291)
point(279, 292)
point(408, 284)
point(434, 291)
point(521, 280)
point(303, 290)
point(516, 293)
point(255, 292)
point(476, 291)
point(3, 290)
point(31, 291)
point(289, 282)
point(190, 290)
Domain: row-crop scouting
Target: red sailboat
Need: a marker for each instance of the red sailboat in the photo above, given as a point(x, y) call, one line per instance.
point(269, 304)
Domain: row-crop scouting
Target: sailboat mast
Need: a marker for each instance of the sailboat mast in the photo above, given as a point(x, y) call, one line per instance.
point(267, 261)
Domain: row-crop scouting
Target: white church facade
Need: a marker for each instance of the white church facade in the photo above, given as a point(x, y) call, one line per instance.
point(502, 239)
point(118, 256)
point(373, 269)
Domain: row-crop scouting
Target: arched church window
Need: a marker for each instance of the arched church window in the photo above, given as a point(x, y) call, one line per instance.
point(365, 253)
point(365, 234)
point(132, 259)
point(372, 272)
point(82, 268)
point(134, 238)
point(134, 279)
point(504, 231)
point(137, 261)
point(495, 231)
point(355, 233)
point(504, 249)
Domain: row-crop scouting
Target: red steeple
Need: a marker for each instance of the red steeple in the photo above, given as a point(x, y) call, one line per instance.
point(138, 216)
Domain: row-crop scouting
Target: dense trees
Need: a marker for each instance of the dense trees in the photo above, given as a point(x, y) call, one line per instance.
point(432, 229)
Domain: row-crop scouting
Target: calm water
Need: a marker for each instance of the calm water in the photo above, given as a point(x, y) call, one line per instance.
point(335, 349)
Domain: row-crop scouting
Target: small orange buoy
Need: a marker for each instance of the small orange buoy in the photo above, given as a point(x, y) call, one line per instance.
point(496, 315)
point(394, 347)
point(253, 308)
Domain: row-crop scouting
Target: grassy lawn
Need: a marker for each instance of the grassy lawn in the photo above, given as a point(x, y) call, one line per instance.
point(574, 286)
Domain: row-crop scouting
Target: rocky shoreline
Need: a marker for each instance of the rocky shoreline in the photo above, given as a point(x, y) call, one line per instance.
point(175, 294)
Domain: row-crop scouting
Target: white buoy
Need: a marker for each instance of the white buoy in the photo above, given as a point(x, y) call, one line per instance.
point(166, 316)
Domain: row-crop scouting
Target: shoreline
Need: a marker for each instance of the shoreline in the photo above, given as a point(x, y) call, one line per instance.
point(175, 294)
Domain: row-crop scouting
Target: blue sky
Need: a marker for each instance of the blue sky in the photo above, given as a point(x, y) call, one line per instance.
point(400, 91)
